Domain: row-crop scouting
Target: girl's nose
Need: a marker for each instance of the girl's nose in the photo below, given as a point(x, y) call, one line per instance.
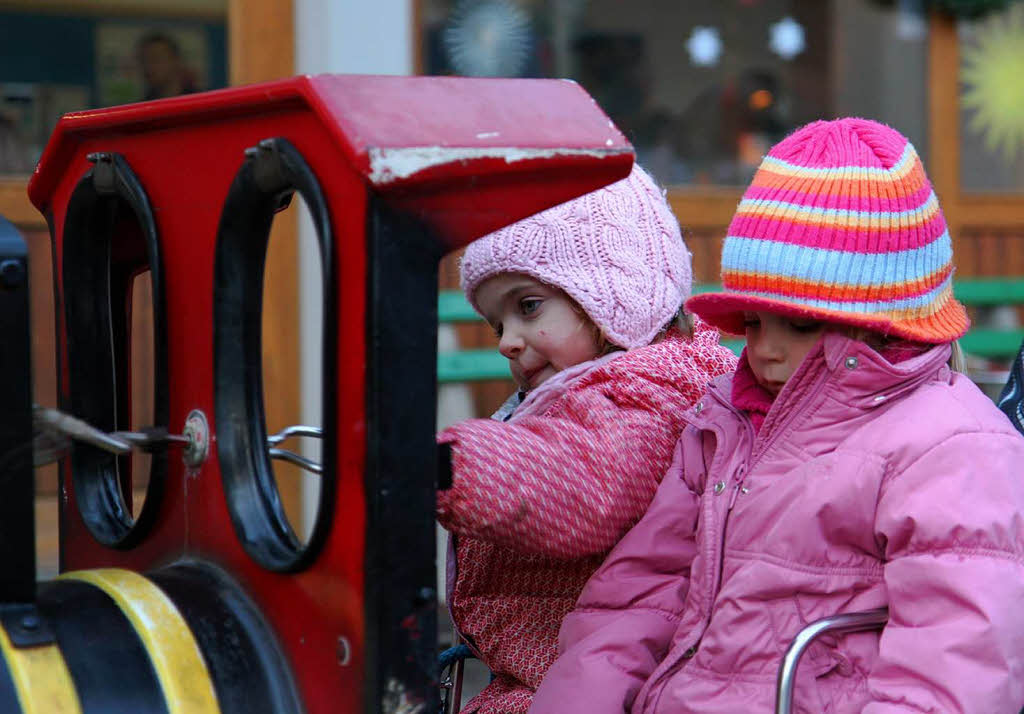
point(766, 347)
point(511, 344)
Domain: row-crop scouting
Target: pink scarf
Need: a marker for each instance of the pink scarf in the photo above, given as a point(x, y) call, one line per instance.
point(748, 395)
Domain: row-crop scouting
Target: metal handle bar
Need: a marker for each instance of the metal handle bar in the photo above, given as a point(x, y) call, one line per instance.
point(846, 622)
point(314, 432)
point(293, 458)
point(288, 432)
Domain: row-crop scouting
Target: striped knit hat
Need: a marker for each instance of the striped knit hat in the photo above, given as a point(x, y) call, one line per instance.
point(840, 224)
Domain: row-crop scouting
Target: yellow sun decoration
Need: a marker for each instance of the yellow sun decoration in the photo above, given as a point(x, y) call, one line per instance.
point(992, 72)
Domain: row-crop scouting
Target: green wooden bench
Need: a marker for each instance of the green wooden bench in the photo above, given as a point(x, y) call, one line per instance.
point(990, 342)
point(465, 365)
point(475, 365)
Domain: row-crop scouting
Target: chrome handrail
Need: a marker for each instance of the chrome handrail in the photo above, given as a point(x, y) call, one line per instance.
point(845, 622)
point(293, 458)
point(288, 432)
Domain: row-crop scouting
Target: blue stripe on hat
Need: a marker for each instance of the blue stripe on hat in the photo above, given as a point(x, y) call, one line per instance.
point(836, 267)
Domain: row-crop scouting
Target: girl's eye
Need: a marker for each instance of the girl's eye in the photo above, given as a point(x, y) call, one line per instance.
point(528, 306)
point(806, 327)
point(751, 322)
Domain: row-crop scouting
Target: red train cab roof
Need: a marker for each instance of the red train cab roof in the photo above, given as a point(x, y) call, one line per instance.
point(404, 135)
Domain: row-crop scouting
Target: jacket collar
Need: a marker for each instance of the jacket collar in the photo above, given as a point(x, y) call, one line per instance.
point(862, 377)
point(866, 378)
point(538, 400)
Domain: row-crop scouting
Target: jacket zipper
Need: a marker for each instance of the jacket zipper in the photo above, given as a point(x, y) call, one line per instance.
point(792, 411)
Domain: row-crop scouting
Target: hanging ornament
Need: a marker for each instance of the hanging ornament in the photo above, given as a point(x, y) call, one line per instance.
point(787, 38)
point(488, 38)
point(991, 71)
point(704, 46)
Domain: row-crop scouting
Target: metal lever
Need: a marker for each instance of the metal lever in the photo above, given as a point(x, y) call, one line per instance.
point(291, 457)
point(151, 438)
point(55, 430)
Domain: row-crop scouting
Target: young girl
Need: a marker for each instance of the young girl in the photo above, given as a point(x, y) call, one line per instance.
point(843, 467)
point(586, 301)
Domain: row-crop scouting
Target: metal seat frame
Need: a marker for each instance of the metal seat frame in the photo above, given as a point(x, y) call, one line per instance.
point(842, 623)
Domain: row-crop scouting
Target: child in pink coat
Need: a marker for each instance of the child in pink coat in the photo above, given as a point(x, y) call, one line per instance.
point(586, 299)
point(843, 467)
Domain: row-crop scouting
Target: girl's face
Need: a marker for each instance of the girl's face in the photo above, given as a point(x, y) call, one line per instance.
point(540, 329)
point(776, 345)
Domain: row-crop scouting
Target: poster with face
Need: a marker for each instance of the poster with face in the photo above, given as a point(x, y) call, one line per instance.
point(143, 61)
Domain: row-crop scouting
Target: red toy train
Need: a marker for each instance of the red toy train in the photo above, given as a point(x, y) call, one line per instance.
point(206, 601)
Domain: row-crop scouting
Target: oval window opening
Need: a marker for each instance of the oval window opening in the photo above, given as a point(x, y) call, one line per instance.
point(116, 375)
point(275, 482)
point(292, 351)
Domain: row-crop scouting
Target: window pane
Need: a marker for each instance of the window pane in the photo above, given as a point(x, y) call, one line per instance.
point(57, 60)
point(992, 102)
point(701, 89)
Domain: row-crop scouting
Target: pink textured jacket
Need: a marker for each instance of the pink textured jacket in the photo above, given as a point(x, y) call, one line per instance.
point(869, 484)
point(537, 502)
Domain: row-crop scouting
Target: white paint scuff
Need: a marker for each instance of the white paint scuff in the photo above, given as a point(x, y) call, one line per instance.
point(394, 164)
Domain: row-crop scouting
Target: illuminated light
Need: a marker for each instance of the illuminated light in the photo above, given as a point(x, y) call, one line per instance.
point(704, 46)
point(761, 99)
point(787, 38)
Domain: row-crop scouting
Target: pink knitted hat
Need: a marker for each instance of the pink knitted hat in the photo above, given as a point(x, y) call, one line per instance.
point(840, 224)
point(616, 251)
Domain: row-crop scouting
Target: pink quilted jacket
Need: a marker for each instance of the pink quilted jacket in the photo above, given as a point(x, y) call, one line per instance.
point(537, 502)
point(869, 484)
